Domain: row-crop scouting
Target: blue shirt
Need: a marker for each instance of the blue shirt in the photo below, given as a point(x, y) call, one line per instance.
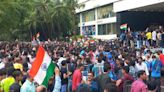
point(108, 54)
point(94, 86)
point(156, 66)
point(57, 85)
point(28, 87)
point(82, 52)
point(98, 69)
point(112, 75)
point(122, 36)
point(112, 64)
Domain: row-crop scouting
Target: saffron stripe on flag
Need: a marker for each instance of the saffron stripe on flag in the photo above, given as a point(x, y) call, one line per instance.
point(37, 62)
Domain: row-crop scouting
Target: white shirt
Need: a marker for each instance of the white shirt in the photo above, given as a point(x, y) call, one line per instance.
point(143, 66)
point(60, 61)
point(2, 65)
point(154, 35)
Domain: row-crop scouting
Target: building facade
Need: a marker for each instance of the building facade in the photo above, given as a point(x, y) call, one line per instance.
point(97, 18)
point(103, 17)
point(139, 14)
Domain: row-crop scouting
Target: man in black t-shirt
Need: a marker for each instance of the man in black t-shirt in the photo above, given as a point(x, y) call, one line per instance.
point(64, 76)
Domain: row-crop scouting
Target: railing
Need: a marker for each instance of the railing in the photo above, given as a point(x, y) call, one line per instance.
point(127, 88)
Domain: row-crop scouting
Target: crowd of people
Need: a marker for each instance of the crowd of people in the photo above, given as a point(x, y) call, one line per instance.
point(151, 37)
point(85, 65)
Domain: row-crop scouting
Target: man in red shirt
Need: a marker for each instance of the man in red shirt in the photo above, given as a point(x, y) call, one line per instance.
point(126, 77)
point(77, 77)
point(161, 56)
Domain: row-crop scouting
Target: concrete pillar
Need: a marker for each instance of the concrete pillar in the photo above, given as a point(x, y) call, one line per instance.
point(81, 24)
point(96, 25)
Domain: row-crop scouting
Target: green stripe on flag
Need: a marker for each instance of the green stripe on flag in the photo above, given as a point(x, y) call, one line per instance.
point(123, 28)
point(49, 74)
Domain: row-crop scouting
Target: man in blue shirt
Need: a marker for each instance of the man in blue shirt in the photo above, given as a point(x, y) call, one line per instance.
point(28, 85)
point(156, 66)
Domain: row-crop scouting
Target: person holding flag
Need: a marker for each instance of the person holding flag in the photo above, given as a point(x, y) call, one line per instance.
point(42, 70)
point(123, 36)
point(124, 26)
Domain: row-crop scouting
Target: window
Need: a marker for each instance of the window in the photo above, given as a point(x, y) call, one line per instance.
point(105, 12)
point(88, 16)
point(88, 30)
point(106, 29)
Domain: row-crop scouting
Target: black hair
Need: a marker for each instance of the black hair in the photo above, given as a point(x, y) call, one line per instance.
point(132, 63)
point(16, 73)
point(9, 64)
point(61, 54)
point(80, 65)
point(27, 59)
point(99, 60)
point(83, 88)
point(110, 87)
point(64, 62)
point(16, 54)
point(25, 53)
point(2, 71)
point(141, 72)
point(92, 73)
point(25, 65)
point(106, 67)
point(10, 71)
point(88, 60)
point(152, 85)
point(44, 89)
point(126, 68)
point(121, 63)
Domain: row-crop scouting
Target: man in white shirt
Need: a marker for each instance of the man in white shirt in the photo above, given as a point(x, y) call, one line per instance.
point(158, 38)
point(60, 60)
point(154, 37)
point(141, 66)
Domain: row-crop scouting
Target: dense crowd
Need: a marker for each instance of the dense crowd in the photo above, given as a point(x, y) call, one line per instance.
point(86, 65)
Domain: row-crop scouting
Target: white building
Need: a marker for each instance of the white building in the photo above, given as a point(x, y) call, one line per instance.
point(97, 18)
point(139, 5)
point(140, 14)
point(102, 18)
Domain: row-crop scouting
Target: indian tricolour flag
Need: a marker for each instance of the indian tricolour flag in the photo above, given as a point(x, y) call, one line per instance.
point(124, 26)
point(42, 68)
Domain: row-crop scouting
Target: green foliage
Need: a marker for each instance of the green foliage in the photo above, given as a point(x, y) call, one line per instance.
point(21, 19)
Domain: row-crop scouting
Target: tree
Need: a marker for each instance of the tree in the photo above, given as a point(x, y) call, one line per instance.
point(21, 19)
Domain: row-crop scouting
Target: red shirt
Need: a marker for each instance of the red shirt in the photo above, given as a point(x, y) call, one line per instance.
point(161, 56)
point(125, 78)
point(76, 79)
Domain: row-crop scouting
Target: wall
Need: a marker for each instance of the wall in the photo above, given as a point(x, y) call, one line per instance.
point(124, 5)
point(91, 4)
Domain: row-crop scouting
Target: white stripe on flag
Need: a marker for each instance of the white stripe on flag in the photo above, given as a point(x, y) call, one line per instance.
point(41, 74)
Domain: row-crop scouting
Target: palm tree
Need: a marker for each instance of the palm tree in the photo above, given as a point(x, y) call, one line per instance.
point(24, 18)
